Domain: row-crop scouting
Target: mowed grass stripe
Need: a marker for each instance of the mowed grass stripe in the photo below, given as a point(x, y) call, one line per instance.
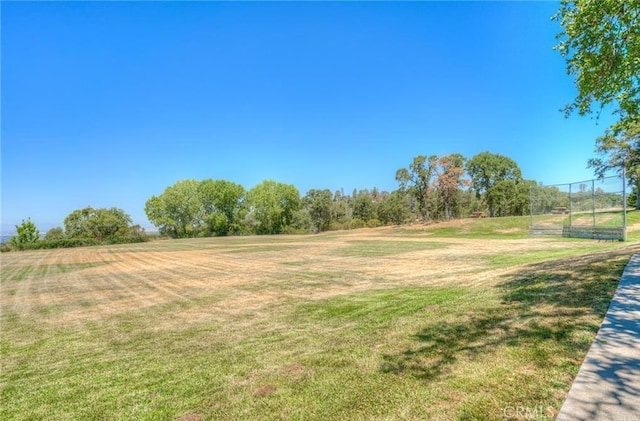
point(306, 332)
point(380, 248)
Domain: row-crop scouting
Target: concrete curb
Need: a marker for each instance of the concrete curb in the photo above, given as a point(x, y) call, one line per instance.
point(608, 384)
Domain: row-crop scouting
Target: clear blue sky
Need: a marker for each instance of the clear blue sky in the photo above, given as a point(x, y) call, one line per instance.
point(107, 104)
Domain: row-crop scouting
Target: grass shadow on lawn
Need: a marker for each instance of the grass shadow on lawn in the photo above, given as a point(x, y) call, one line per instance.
point(543, 316)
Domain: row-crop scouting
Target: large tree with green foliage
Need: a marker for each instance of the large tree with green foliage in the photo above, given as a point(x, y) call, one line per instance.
point(99, 223)
point(601, 43)
point(26, 233)
point(222, 202)
point(618, 153)
point(178, 211)
point(271, 206)
point(394, 209)
point(488, 173)
point(319, 204)
point(417, 180)
point(364, 207)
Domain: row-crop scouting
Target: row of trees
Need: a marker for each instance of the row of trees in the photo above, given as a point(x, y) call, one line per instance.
point(192, 208)
point(601, 44)
point(86, 226)
point(439, 186)
point(430, 188)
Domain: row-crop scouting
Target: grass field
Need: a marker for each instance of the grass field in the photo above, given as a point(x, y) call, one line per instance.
point(465, 320)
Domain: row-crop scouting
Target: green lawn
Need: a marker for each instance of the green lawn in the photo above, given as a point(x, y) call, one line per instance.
point(368, 324)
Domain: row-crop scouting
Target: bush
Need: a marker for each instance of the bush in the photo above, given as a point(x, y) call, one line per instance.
point(337, 226)
point(357, 223)
point(4, 247)
point(373, 223)
point(76, 242)
point(56, 233)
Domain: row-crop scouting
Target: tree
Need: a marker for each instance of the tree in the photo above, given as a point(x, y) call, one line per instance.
point(319, 203)
point(601, 43)
point(417, 180)
point(27, 233)
point(272, 205)
point(54, 234)
point(394, 208)
point(178, 211)
point(450, 180)
point(97, 223)
point(221, 202)
point(341, 210)
point(364, 207)
point(487, 170)
point(511, 197)
point(617, 153)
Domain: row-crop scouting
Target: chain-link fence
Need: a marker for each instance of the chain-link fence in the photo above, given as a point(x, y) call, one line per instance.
point(587, 209)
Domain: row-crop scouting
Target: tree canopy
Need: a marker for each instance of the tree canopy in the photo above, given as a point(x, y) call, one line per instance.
point(417, 180)
point(272, 205)
point(601, 44)
point(191, 208)
point(618, 152)
point(319, 204)
point(493, 175)
point(97, 223)
point(27, 233)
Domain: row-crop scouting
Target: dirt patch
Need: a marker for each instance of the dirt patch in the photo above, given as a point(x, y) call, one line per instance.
point(265, 391)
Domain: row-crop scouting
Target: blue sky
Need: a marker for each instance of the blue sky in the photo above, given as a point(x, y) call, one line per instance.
point(107, 104)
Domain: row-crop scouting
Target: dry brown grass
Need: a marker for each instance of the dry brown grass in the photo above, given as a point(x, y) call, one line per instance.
point(384, 323)
point(119, 279)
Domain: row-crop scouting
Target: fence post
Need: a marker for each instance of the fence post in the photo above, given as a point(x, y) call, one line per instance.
point(593, 201)
point(624, 205)
point(570, 206)
point(530, 207)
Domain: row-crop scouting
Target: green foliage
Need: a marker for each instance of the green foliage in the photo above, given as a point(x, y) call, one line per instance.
point(493, 176)
point(356, 223)
point(100, 223)
point(271, 206)
point(222, 202)
point(56, 233)
point(374, 223)
point(27, 233)
point(601, 44)
point(364, 207)
point(178, 210)
point(395, 209)
point(618, 153)
point(417, 181)
point(85, 242)
point(319, 204)
point(301, 221)
point(546, 198)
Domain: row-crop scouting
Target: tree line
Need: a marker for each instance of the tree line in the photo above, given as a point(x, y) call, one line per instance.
point(431, 188)
point(82, 227)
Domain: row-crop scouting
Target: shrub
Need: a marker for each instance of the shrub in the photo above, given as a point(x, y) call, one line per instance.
point(56, 233)
point(77, 242)
point(373, 223)
point(337, 226)
point(357, 223)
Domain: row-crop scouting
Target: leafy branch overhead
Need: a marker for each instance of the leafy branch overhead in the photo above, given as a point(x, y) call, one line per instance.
point(601, 43)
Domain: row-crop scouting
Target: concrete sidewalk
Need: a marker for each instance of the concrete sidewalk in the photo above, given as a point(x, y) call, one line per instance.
point(608, 384)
